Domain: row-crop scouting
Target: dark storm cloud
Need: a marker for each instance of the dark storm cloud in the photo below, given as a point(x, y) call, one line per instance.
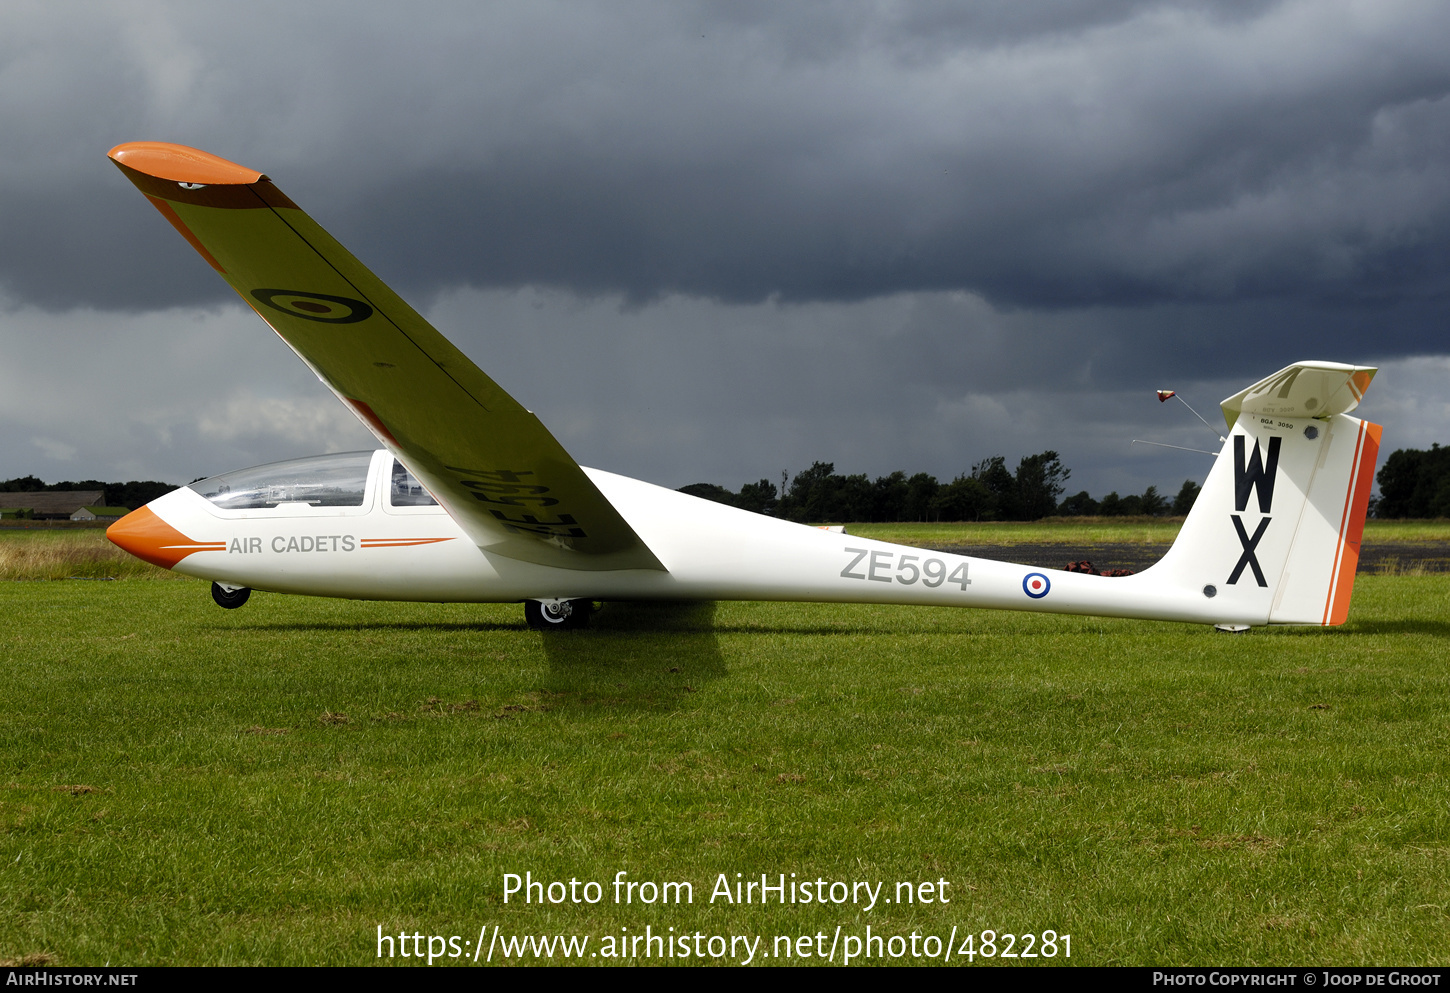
point(1051, 155)
point(678, 391)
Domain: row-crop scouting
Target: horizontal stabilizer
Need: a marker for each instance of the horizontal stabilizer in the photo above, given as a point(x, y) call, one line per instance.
point(1305, 389)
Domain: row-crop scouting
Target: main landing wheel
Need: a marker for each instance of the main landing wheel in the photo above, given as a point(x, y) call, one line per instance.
point(230, 597)
point(553, 615)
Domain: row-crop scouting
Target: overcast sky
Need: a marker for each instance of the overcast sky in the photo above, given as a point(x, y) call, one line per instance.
point(715, 241)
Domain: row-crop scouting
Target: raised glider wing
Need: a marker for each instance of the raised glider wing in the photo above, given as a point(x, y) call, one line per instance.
point(472, 499)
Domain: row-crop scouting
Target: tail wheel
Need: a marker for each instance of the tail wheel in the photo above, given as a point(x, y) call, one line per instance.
point(230, 597)
point(554, 615)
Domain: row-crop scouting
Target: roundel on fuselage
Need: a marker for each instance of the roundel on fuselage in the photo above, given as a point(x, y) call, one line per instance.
point(1036, 585)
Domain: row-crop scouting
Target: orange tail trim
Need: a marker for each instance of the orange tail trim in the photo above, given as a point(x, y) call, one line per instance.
point(1351, 527)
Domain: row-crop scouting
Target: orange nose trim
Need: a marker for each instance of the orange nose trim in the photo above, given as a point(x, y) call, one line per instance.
point(148, 537)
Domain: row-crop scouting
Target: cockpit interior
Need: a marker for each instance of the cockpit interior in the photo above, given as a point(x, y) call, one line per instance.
point(302, 486)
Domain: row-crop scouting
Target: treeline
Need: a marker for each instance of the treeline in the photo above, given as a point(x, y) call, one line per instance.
point(129, 495)
point(989, 492)
point(1415, 483)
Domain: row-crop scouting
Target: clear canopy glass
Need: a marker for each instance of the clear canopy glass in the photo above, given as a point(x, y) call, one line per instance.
point(407, 491)
point(320, 481)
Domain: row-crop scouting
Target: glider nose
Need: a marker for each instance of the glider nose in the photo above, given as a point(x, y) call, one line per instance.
point(145, 536)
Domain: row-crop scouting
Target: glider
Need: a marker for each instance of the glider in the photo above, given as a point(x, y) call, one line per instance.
point(471, 499)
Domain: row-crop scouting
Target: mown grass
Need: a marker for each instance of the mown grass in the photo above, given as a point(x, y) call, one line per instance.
point(268, 785)
point(1407, 531)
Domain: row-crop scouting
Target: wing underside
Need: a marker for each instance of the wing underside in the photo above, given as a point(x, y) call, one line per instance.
point(491, 463)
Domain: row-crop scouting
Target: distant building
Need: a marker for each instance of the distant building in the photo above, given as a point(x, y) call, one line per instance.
point(100, 514)
point(52, 505)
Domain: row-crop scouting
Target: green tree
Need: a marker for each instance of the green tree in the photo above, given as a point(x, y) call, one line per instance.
point(965, 498)
point(921, 495)
point(889, 496)
point(851, 499)
point(135, 493)
point(994, 476)
point(709, 491)
point(130, 495)
point(811, 493)
point(758, 497)
point(1039, 483)
point(1153, 503)
point(1184, 501)
point(1415, 483)
point(1078, 505)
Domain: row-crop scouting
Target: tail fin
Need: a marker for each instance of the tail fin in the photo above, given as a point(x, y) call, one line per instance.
point(1275, 533)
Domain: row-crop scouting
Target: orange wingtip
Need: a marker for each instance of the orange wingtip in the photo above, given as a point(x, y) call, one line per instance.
point(181, 164)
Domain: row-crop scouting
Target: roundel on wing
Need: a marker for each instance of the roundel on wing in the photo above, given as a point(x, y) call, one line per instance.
point(1036, 585)
point(315, 306)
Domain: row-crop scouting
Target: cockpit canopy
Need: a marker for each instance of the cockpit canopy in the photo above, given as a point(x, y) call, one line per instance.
point(320, 481)
point(406, 491)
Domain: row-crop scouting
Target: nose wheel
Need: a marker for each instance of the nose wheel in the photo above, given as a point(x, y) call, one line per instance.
point(230, 597)
point(554, 615)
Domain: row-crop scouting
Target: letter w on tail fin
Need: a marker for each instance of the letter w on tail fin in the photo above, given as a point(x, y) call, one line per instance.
point(1255, 475)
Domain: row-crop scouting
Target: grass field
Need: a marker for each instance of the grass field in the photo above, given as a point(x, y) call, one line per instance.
point(42, 553)
point(185, 784)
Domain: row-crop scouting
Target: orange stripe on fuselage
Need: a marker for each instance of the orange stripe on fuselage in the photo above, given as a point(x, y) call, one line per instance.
point(148, 537)
point(1351, 528)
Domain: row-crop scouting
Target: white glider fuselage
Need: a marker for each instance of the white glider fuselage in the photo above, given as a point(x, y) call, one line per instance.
point(710, 552)
point(379, 551)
